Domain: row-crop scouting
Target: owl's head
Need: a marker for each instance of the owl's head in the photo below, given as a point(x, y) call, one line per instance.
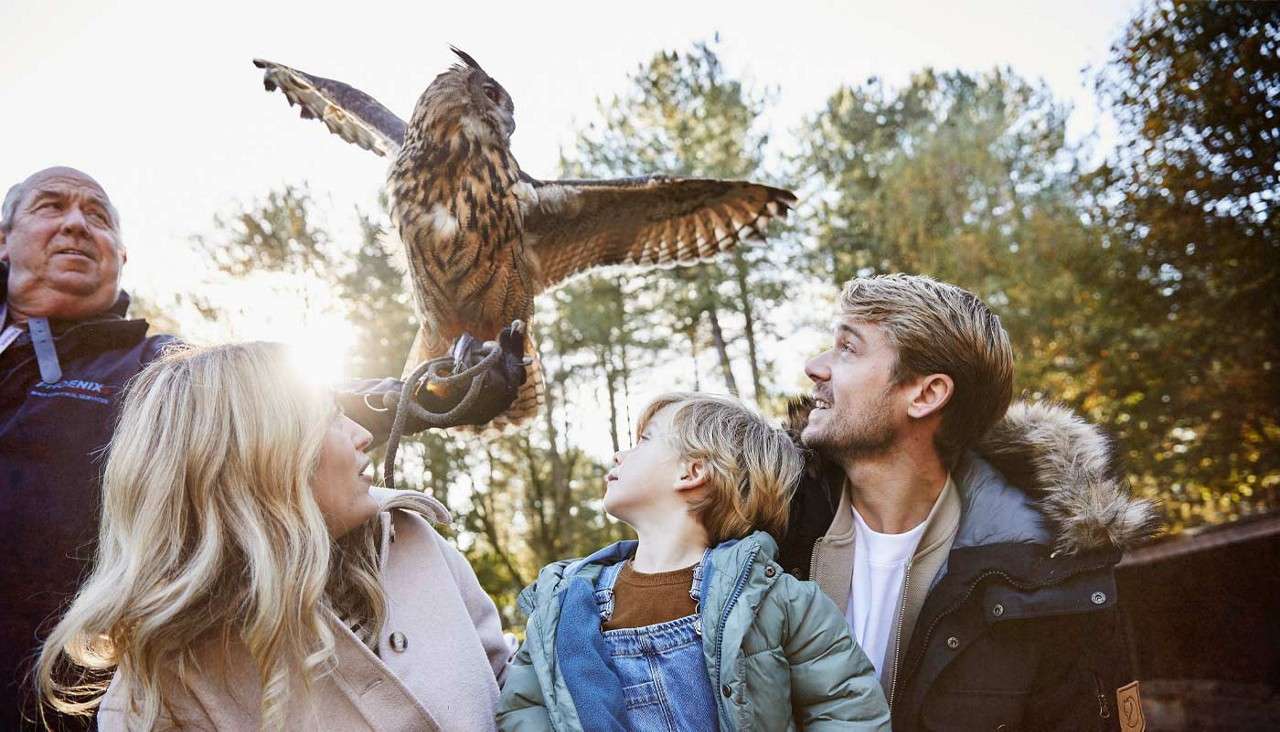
point(469, 97)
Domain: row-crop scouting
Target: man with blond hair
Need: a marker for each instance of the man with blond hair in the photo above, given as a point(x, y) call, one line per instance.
point(970, 544)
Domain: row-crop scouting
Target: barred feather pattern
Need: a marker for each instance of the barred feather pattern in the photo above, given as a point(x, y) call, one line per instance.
point(453, 204)
point(482, 238)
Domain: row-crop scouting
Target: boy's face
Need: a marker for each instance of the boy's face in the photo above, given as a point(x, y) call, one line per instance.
point(645, 477)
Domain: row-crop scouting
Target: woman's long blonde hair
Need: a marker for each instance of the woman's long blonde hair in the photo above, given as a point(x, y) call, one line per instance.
point(210, 530)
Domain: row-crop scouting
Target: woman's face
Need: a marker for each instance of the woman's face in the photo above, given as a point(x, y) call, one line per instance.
point(343, 476)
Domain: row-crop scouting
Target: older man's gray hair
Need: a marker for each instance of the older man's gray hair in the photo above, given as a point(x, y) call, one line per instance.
point(9, 209)
point(10, 206)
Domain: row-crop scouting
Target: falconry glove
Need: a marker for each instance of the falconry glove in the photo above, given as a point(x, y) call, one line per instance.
point(372, 402)
point(500, 379)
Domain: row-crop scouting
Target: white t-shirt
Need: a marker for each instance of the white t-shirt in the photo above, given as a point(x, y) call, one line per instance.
point(879, 568)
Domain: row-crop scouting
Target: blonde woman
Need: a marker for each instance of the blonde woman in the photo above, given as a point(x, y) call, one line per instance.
point(249, 577)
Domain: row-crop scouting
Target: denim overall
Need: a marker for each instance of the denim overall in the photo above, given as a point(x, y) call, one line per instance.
point(664, 677)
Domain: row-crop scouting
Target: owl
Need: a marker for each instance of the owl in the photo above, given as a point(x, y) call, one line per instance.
point(482, 238)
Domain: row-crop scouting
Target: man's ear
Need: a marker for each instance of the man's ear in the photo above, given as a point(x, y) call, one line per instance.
point(4, 250)
point(930, 395)
point(693, 475)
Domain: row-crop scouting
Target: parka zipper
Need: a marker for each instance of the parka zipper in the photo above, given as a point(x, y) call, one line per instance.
point(813, 556)
point(724, 614)
point(897, 635)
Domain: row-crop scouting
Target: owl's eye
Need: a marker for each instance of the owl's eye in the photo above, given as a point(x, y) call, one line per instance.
point(492, 92)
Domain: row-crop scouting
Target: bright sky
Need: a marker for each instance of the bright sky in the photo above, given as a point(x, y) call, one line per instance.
point(159, 102)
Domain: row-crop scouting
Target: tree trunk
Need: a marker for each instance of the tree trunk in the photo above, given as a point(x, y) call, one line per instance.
point(490, 529)
point(749, 330)
point(623, 335)
point(692, 332)
point(717, 337)
point(605, 357)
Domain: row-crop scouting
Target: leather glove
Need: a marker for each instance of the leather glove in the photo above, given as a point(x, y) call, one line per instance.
point(372, 402)
point(501, 385)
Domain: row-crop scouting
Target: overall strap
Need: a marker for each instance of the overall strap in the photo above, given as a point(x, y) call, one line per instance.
point(604, 589)
point(695, 587)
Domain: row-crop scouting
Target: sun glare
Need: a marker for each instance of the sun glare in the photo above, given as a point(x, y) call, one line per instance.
point(300, 314)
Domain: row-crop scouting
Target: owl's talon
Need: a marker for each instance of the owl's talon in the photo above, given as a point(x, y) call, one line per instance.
point(461, 353)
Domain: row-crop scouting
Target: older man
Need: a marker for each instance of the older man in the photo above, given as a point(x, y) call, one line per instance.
point(66, 351)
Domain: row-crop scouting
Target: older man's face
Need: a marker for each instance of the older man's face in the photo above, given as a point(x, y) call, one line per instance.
point(64, 249)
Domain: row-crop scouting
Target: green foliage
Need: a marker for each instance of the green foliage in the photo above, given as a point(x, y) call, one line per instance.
point(682, 115)
point(1188, 207)
point(1143, 293)
point(968, 179)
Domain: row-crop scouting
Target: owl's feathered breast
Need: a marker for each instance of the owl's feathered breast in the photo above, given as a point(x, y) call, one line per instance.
point(454, 204)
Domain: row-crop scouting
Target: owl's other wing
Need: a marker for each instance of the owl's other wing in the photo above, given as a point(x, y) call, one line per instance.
point(348, 112)
point(576, 225)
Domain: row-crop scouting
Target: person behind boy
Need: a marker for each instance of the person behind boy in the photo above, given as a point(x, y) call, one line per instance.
point(693, 626)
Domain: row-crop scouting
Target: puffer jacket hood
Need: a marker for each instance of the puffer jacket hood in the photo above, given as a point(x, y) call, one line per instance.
point(1046, 475)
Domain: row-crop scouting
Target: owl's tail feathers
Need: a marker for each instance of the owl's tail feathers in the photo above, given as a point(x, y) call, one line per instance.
point(529, 401)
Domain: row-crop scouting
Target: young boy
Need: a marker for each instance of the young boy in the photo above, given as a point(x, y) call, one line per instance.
point(694, 626)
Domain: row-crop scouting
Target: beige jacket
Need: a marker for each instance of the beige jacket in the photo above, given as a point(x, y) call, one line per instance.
point(832, 568)
point(443, 655)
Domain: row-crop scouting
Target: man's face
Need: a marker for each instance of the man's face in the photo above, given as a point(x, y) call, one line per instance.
point(64, 249)
point(857, 411)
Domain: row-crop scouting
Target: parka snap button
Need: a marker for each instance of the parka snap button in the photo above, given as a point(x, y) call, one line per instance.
point(953, 642)
point(398, 642)
point(726, 691)
point(769, 571)
point(1098, 598)
point(998, 610)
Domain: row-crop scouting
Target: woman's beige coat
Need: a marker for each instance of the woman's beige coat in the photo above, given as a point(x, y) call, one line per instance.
point(443, 656)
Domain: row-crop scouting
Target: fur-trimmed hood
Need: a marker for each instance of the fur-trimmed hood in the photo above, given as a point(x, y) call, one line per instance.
point(1042, 474)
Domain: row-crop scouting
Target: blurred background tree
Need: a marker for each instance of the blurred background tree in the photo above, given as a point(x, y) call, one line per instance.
point(1188, 207)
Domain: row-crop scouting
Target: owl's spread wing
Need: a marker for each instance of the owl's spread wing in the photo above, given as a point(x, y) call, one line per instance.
point(348, 112)
point(576, 225)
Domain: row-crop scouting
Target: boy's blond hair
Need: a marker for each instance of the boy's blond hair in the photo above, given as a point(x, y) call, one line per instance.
point(753, 466)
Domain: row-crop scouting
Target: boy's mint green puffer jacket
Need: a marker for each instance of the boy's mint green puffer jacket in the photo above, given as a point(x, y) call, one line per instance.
point(777, 651)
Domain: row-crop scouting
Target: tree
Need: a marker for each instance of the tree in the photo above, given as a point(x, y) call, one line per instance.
point(683, 115)
point(969, 179)
point(1189, 203)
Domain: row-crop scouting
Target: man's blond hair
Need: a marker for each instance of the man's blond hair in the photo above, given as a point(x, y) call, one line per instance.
point(753, 466)
point(941, 329)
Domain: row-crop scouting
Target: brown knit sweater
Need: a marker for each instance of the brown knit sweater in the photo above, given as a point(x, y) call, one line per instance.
point(648, 599)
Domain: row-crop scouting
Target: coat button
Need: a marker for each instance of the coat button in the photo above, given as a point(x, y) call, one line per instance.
point(998, 610)
point(953, 642)
point(398, 642)
point(726, 691)
point(1098, 598)
point(769, 571)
